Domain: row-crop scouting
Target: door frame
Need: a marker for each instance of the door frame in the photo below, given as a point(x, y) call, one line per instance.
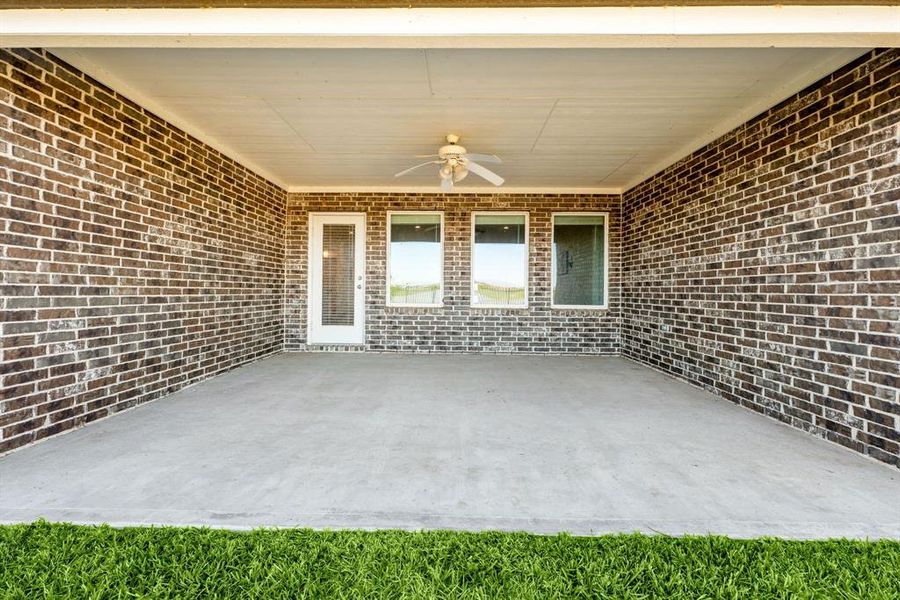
point(313, 276)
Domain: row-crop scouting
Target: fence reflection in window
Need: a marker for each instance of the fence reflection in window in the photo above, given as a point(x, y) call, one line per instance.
point(415, 257)
point(499, 260)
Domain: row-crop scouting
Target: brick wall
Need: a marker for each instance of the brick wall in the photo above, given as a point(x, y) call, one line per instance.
point(766, 266)
point(456, 327)
point(135, 260)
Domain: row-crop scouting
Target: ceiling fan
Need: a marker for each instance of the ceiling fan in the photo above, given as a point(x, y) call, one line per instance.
point(456, 163)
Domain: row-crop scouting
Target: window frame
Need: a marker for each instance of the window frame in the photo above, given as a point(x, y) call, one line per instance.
point(499, 213)
point(605, 305)
point(387, 263)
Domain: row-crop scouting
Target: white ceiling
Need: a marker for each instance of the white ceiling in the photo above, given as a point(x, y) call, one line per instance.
point(598, 119)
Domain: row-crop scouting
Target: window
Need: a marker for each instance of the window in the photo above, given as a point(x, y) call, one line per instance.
point(579, 260)
point(500, 260)
point(415, 259)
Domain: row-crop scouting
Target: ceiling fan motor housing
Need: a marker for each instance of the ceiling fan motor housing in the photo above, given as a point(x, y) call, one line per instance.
point(451, 151)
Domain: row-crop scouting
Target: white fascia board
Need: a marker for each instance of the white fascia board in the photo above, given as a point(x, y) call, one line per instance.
point(591, 27)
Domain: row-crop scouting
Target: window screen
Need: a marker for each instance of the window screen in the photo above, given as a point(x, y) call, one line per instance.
point(579, 260)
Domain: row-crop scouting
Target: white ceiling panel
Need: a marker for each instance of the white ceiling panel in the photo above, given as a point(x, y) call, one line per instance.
point(230, 116)
point(395, 125)
point(560, 118)
point(272, 73)
point(270, 144)
point(697, 73)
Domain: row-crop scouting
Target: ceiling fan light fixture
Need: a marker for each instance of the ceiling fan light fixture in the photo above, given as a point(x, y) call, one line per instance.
point(456, 164)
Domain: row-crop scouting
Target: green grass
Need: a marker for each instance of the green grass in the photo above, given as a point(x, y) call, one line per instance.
point(45, 560)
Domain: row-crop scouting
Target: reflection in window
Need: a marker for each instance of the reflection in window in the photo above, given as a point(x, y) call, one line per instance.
point(415, 267)
point(499, 260)
point(579, 261)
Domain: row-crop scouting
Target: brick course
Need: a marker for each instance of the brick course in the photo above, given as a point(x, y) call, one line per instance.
point(773, 258)
point(456, 326)
point(135, 259)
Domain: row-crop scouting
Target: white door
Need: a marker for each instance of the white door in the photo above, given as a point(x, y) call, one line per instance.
point(337, 287)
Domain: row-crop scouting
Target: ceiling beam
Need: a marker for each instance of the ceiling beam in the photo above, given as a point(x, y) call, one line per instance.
point(585, 27)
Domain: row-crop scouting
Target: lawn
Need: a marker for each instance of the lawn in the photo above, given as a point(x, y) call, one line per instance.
point(44, 560)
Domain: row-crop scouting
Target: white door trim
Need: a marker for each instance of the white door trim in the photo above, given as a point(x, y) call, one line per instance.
point(331, 334)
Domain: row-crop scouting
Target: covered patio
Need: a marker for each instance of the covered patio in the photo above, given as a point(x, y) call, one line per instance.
point(587, 445)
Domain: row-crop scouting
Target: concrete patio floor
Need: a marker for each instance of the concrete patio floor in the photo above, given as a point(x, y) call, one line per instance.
point(543, 444)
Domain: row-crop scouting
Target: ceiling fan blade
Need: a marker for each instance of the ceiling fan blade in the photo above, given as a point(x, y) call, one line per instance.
point(426, 156)
point(488, 158)
point(446, 184)
point(484, 173)
point(430, 162)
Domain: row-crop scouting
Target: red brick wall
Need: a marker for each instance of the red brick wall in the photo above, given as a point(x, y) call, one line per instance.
point(135, 259)
point(456, 326)
point(766, 266)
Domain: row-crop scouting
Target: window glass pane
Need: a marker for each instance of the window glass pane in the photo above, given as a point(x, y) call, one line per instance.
point(578, 260)
point(498, 261)
point(415, 261)
point(338, 264)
